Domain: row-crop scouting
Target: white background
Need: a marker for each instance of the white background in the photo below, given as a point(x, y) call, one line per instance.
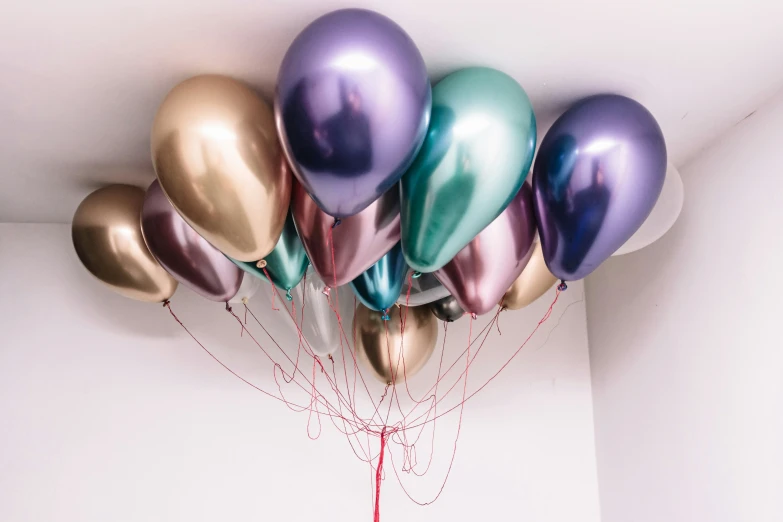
point(686, 350)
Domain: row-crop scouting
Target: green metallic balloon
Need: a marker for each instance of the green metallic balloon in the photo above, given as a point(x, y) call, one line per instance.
point(286, 264)
point(476, 155)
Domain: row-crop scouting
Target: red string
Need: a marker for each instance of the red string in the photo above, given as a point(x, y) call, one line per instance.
point(273, 286)
point(378, 475)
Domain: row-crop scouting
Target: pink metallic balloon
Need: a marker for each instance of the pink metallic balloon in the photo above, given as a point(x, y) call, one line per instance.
point(187, 256)
point(480, 273)
point(359, 240)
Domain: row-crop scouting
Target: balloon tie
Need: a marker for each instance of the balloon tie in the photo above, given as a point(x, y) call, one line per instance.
point(337, 222)
point(416, 274)
point(562, 286)
point(385, 315)
point(473, 316)
point(288, 295)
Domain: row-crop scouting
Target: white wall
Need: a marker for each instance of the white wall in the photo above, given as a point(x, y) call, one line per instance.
point(109, 412)
point(686, 349)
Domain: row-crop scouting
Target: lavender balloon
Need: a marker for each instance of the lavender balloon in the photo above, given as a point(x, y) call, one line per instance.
point(352, 107)
point(598, 174)
point(187, 256)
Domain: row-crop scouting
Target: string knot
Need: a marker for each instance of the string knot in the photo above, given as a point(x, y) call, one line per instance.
point(473, 316)
point(385, 315)
point(228, 307)
point(327, 291)
point(562, 286)
point(337, 222)
point(288, 295)
point(416, 274)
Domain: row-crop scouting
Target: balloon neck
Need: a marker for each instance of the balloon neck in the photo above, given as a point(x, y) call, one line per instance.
point(385, 315)
point(473, 316)
point(261, 263)
point(562, 286)
point(288, 295)
point(337, 222)
point(416, 275)
point(327, 291)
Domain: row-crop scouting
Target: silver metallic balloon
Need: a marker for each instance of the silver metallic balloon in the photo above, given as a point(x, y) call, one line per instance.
point(316, 319)
point(447, 309)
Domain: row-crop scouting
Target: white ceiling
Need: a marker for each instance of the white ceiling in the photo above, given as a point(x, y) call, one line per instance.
point(80, 80)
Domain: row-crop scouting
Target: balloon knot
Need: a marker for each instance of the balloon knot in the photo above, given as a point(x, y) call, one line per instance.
point(337, 222)
point(385, 315)
point(245, 300)
point(228, 307)
point(416, 275)
point(562, 286)
point(327, 291)
point(165, 303)
point(261, 263)
point(473, 316)
point(330, 357)
point(288, 295)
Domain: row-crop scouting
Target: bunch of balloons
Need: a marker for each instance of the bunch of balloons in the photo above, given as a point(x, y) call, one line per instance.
point(392, 179)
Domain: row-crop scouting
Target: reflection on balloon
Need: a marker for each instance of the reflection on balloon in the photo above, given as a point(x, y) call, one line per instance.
point(423, 289)
point(286, 264)
point(597, 176)
point(356, 243)
point(217, 156)
point(475, 157)
point(352, 107)
point(447, 309)
point(317, 320)
point(106, 233)
point(187, 256)
point(531, 284)
point(391, 355)
point(249, 287)
point(379, 286)
point(480, 273)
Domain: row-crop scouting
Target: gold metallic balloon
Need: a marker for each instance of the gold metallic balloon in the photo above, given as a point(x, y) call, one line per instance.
point(219, 161)
point(531, 284)
point(107, 236)
point(385, 358)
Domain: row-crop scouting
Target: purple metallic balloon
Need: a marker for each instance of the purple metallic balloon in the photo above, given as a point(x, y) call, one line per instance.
point(598, 174)
point(187, 256)
point(359, 241)
point(480, 273)
point(352, 107)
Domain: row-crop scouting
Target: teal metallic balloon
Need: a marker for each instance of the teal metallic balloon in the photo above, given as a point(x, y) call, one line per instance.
point(476, 155)
point(286, 264)
point(380, 285)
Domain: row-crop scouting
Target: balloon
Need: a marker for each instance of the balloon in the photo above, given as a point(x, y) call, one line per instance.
point(352, 107)
point(219, 161)
point(531, 284)
point(359, 241)
point(249, 287)
point(315, 317)
point(423, 289)
point(379, 286)
point(447, 309)
point(663, 216)
point(474, 160)
point(286, 264)
point(480, 273)
point(187, 256)
point(393, 357)
point(107, 236)
point(597, 176)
